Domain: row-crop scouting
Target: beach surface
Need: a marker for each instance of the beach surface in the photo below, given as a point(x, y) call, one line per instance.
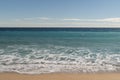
point(61, 76)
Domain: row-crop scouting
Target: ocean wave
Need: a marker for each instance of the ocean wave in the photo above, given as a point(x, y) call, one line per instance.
point(34, 59)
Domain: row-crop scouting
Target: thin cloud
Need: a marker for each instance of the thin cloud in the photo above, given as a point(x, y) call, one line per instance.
point(110, 20)
point(33, 19)
point(57, 22)
point(69, 19)
point(44, 18)
point(95, 20)
point(74, 19)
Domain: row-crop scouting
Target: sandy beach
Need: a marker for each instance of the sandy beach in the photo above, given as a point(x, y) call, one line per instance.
point(60, 76)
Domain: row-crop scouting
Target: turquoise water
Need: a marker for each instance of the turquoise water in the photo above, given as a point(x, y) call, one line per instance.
point(35, 52)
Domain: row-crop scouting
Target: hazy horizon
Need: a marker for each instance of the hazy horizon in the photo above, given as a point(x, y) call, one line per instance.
point(60, 13)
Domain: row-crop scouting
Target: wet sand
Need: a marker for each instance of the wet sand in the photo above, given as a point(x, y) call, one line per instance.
point(60, 76)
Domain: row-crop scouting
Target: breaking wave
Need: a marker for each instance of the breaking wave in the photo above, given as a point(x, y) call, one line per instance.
point(33, 59)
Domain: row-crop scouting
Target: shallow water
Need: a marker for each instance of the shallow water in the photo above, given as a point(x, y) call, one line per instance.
point(35, 52)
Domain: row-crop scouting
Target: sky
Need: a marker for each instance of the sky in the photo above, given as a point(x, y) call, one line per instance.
point(59, 13)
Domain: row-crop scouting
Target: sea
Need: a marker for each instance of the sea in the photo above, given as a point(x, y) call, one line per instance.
point(54, 50)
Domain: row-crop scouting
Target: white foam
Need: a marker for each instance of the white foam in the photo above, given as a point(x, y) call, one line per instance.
point(1, 51)
point(57, 59)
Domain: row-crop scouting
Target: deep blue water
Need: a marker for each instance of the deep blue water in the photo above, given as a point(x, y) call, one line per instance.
point(45, 50)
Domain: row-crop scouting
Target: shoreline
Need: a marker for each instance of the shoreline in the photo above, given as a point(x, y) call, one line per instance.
point(60, 76)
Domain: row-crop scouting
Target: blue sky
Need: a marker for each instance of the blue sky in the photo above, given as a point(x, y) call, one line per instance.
point(59, 13)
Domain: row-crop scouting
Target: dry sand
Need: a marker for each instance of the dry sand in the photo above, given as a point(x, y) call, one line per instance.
point(60, 76)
